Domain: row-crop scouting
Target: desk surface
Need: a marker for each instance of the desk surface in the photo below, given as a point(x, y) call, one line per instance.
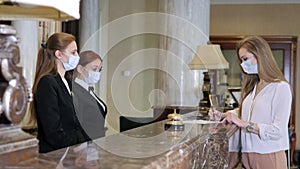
point(149, 146)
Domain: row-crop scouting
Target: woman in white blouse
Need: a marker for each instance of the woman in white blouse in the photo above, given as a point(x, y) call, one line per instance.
point(90, 109)
point(264, 112)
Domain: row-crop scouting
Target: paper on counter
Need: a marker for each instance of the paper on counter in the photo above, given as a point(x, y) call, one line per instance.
point(200, 122)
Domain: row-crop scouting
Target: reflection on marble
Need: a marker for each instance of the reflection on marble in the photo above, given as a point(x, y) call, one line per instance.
point(148, 147)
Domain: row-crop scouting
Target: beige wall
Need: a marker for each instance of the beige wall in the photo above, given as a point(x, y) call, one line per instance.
point(259, 20)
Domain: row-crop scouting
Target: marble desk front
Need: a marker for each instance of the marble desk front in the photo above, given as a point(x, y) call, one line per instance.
point(147, 147)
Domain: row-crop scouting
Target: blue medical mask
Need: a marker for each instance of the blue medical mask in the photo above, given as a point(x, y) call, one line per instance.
point(93, 77)
point(72, 63)
point(249, 68)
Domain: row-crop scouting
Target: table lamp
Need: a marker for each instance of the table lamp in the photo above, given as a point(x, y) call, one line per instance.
point(208, 57)
point(39, 9)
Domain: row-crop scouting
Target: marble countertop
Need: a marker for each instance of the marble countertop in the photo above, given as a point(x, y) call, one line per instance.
point(150, 146)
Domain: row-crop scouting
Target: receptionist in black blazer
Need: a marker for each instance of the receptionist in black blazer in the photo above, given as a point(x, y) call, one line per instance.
point(90, 109)
point(58, 125)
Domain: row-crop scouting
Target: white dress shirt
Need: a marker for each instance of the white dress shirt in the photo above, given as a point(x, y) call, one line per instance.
point(66, 84)
point(271, 111)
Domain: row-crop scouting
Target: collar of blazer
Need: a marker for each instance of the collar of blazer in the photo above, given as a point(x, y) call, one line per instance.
point(62, 85)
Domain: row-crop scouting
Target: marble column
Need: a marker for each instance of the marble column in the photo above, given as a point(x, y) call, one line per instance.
point(89, 25)
point(27, 32)
point(89, 37)
point(188, 20)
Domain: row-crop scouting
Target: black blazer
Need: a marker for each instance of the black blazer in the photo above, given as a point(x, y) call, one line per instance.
point(90, 113)
point(58, 125)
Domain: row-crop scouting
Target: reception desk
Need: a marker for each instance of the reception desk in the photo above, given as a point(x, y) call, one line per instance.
point(148, 147)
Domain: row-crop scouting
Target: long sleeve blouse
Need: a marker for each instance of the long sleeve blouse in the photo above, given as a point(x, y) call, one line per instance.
point(270, 110)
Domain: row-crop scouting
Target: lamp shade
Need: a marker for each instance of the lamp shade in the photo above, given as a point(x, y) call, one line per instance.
point(39, 9)
point(208, 57)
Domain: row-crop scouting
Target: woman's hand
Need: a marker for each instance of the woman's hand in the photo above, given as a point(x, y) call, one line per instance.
point(234, 119)
point(216, 115)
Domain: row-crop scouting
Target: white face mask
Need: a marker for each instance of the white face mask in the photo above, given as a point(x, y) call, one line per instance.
point(93, 77)
point(73, 61)
point(249, 68)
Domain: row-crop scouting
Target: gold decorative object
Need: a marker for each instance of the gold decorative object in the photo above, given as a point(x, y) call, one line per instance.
point(175, 122)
